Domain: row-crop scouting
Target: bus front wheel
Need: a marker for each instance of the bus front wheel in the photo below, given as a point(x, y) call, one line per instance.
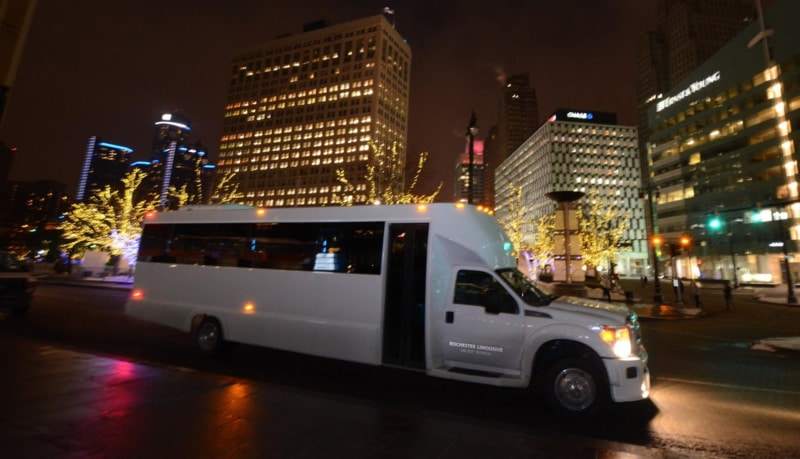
point(575, 388)
point(208, 336)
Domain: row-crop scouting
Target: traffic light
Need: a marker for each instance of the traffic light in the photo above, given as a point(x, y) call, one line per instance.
point(714, 223)
point(656, 241)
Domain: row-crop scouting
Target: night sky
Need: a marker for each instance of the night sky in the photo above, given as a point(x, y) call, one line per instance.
point(110, 68)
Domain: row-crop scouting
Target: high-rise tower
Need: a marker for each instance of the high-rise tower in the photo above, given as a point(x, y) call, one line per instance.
point(518, 115)
point(302, 107)
point(176, 162)
point(688, 32)
point(104, 164)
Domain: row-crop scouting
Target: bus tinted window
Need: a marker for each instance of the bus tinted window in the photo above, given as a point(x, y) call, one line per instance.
point(337, 247)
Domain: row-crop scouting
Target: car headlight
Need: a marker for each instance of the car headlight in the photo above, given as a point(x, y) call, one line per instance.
point(619, 338)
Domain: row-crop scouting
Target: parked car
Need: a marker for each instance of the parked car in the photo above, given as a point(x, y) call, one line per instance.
point(17, 285)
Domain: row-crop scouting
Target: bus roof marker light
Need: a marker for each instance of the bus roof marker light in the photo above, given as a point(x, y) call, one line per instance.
point(137, 294)
point(460, 205)
point(261, 211)
point(422, 208)
point(249, 308)
point(150, 215)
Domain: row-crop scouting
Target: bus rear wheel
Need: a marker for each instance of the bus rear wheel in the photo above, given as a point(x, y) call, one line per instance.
point(208, 336)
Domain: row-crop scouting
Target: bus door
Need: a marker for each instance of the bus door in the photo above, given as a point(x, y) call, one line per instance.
point(482, 329)
point(404, 314)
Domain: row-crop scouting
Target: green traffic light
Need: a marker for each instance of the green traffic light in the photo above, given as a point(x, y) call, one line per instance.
point(715, 223)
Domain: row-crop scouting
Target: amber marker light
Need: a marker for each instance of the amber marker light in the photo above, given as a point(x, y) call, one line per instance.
point(137, 294)
point(150, 215)
point(261, 211)
point(421, 207)
point(249, 308)
point(460, 205)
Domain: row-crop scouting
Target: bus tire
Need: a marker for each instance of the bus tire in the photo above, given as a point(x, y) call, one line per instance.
point(575, 387)
point(208, 336)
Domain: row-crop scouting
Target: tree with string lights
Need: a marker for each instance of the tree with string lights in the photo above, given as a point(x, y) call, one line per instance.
point(602, 230)
point(544, 243)
point(108, 220)
point(226, 190)
point(382, 182)
point(519, 229)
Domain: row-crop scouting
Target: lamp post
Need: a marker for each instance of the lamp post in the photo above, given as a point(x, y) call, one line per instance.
point(658, 298)
point(472, 130)
point(733, 259)
point(656, 240)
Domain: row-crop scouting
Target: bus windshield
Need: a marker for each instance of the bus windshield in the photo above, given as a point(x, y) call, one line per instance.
point(526, 289)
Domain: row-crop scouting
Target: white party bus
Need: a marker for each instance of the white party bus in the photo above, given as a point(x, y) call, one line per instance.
point(431, 287)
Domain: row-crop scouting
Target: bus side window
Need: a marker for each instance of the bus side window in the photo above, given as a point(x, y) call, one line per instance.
point(479, 288)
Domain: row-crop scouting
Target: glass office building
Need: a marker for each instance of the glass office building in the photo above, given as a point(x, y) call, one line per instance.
point(723, 164)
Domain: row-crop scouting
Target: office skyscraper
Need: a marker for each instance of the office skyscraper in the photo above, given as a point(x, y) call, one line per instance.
point(104, 164)
point(302, 107)
point(578, 150)
point(462, 175)
point(723, 156)
point(518, 115)
point(176, 162)
point(687, 33)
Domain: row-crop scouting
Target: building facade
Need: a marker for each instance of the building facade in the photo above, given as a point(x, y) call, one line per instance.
point(490, 162)
point(304, 107)
point(579, 151)
point(177, 164)
point(36, 208)
point(687, 33)
point(517, 116)
point(723, 160)
point(477, 172)
point(104, 164)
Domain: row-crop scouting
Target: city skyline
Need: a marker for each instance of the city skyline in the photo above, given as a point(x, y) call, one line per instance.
point(97, 69)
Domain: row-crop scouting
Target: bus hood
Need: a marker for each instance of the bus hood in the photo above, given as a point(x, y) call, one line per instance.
point(608, 312)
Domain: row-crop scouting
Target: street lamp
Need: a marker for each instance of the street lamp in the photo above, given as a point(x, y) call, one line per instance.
point(658, 298)
point(472, 130)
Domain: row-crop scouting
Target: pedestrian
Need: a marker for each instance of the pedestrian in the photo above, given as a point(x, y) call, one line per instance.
point(645, 281)
point(728, 292)
point(696, 293)
point(606, 285)
point(675, 289)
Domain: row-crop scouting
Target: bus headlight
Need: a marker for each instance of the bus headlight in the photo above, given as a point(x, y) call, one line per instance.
point(619, 338)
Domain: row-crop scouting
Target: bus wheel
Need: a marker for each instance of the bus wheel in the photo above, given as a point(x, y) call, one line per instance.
point(575, 388)
point(208, 336)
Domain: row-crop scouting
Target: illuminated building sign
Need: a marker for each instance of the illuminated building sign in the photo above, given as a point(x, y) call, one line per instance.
point(583, 116)
point(580, 115)
point(116, 147)
point(691, 89)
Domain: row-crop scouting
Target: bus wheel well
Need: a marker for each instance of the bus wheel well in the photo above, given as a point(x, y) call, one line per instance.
point(197, 320)
point(556, 350)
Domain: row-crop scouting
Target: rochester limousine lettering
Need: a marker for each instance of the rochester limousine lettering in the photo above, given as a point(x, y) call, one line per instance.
point(475, 348)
